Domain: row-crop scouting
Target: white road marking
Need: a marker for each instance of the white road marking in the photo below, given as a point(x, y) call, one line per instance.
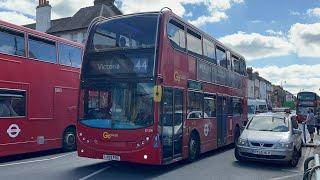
point(38, 160)
point(285, 177)
point(95, 173)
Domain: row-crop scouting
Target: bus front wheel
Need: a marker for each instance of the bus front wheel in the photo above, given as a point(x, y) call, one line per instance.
point(69, 139)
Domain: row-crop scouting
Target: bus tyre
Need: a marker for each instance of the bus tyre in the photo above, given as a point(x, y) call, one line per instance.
point(69, 140)
point(295, 158)
point(194, 147)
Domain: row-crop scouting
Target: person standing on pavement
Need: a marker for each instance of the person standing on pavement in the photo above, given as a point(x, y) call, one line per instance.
point(310, 121)
point(317, 119)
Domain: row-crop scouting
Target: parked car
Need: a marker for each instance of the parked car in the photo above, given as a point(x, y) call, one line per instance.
point(270, 137)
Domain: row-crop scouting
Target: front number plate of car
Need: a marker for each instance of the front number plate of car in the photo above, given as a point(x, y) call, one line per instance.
point(111, 157)
point(261, 152)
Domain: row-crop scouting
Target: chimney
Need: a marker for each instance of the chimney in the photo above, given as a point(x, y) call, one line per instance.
point(43, 16)
point(106, 2)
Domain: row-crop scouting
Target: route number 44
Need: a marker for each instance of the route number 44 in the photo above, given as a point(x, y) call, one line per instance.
point(141, 65)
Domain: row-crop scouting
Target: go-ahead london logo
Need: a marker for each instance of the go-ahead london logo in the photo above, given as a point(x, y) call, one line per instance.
point(13, 130)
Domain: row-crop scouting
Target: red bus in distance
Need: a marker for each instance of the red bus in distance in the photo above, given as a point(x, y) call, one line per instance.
point(39, 86)
point(305, 102)
point(156, 90)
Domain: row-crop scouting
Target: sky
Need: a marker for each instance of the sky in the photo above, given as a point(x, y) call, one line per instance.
point(279, 38)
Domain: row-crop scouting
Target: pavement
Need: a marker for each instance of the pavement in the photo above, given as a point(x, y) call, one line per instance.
point(216, 165)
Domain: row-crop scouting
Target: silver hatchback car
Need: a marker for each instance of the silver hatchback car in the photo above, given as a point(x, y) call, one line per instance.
point(270, 137)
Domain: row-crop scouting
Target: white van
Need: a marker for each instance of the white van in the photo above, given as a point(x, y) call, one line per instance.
point(257, 106)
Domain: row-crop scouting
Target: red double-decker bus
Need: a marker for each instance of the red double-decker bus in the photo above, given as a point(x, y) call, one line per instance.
point(39, 85)
point(156, 90)
point(305, 102)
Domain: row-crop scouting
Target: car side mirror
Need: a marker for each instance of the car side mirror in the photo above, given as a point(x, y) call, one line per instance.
point(297, 131)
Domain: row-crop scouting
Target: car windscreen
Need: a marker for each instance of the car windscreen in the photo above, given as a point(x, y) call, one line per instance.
point(269, 123)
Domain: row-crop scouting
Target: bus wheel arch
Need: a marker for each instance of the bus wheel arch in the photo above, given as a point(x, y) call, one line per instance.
point(194, 146)
point(69, 138)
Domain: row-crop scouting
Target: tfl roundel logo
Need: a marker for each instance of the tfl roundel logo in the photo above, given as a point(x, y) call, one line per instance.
point(13, 130)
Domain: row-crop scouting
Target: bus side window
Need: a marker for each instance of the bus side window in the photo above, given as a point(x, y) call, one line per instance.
point(12, 103)
point(194, 44)
point(42, 49)
point(12, 42)
point(195, 105)
point(221, 57)
point(70, 56)
point(176, 35)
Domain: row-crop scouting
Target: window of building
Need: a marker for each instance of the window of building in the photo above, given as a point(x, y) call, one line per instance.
point(209, 51)
point(195, 102)
point(12, 103)
point(176, 35)
point(42, 49)
point(70, 56)
point(11, 42)
point(237, 106)
point(221, 57)
point(194, 43)
point(209, 106)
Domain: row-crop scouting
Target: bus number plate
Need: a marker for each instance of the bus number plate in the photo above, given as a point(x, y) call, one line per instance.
point(111, 157)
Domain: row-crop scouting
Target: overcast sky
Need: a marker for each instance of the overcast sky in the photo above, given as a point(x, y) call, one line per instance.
point(279, 38)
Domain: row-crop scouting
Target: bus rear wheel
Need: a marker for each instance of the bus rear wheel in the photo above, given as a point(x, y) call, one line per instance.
point(69, 140)
point(194, 147)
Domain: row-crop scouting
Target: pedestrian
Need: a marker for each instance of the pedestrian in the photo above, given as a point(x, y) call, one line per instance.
point(310, 121)
point(317, 118)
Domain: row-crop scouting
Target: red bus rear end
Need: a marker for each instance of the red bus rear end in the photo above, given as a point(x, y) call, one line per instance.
point(39, 82)
point(305, 102)
point(156, 90)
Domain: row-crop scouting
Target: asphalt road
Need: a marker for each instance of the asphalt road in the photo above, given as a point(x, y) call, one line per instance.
point(219, 164)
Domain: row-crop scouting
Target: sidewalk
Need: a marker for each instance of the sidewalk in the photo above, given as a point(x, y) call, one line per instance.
point(316, 141)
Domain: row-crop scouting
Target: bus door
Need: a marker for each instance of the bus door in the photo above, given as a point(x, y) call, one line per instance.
point(222, 115)
point(171, 122)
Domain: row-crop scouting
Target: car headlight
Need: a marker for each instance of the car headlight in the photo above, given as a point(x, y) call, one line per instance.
point(284, 145)
point(242, 142)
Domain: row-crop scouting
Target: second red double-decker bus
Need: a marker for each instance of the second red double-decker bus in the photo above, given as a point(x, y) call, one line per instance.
point(156, 90)
point(305, 102)
point(39, 85)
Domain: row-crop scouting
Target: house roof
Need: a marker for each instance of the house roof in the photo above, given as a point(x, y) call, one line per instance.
point(81, 19)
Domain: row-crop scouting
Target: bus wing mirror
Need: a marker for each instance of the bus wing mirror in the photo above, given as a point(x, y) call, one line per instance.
point(157, 93)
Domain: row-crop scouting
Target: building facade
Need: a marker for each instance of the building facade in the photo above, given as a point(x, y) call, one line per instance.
point(73, 28)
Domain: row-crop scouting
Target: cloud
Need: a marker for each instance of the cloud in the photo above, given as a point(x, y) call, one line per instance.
point(275, 33)
point(15, 17)
point(255, 46)
point(306, 39)
point(215, 9)
point(215, 17)
point(60, 8)
point(314, 12)
point(292, 77)
point(295, 13)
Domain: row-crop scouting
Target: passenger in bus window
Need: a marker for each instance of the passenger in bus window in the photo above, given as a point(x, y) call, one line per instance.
point(6, 109)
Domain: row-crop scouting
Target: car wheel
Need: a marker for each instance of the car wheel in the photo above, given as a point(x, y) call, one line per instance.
point(295, 158)
point(237, 155)
point(69, 140)
point(194, 148)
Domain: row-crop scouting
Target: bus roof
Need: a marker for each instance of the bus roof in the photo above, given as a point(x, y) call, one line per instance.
point(170, 13)
point(38, 33)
